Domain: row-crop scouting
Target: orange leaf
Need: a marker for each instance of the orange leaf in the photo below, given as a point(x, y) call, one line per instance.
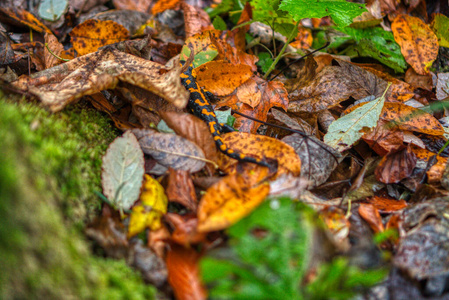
point(183, 273)
point(435, 173)
point(383, 139)
point(387, 205)
point(411, 119)
point(202, 44)
point(25, 18)
point(263, 147)
point(419, 44)
point(398, 91)
point(371, 215)
point(90, 35)
point(221, 78)
point(229, 200)
point(163, 5)
point(255, 98)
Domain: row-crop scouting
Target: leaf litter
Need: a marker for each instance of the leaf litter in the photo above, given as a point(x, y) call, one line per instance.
point(360, 145)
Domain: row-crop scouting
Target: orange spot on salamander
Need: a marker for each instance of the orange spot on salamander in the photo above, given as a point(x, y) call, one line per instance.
point(207, 113)
point(223, 147)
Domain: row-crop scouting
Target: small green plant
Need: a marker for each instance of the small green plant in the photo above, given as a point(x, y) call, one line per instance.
point(269, 256)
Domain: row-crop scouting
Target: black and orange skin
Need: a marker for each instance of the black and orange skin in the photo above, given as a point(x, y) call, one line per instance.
point(200, 106)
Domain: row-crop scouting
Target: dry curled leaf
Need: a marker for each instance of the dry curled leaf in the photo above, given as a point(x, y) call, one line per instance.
point(90, 35)
point(372, 216)
point(180, 189)
point(419, 45)
point(104, 69)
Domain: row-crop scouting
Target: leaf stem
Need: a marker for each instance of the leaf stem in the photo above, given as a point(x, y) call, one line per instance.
point(279, 56)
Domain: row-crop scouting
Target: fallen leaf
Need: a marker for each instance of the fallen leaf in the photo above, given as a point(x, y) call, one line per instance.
point(180, 189)
point(435, 173)
point(221, 78)
point(123, 170)
point(92, 73)
point(163, 5)
point(262, 147)
point(293, 123)
point(383, 139)
point(336, 222)
point(440, 26)
point(387, 205)
point(50, 60)
point(419, 44)
point(149, 212)
point(196, 20)
point(185, 230)
point(371, 215)
point(171, 150)
point(395, 167)
point(203, 48)
point(25, 18)
point(442, 89)
point(347, 130)
point(183, 273)
point(90, 35)
point(399, 90)
point(229, 200)
point(318, 160)
point(419, 81)
point(255, 97)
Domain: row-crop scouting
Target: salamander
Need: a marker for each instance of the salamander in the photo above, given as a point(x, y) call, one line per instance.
point(200, 106)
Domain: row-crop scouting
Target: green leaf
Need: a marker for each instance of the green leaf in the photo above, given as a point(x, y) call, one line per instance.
point(265, 61)
point(378, 44)
point(269, 266)
point(224, 7)
point(219, 23)
point(341, 11)
point(267, 12)
point(52, 10)
point(225, 117)
point(123, 169)
point(347, 130)
point(440, 25)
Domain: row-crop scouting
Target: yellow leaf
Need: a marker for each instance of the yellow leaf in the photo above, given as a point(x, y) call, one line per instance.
point(229, 200)
point(149, 212)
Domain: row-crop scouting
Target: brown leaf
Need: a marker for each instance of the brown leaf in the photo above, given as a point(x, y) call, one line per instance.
point(185, 230)
point(171, 150)
point(229, 200)
point(193, 129)
point(383, 139)
point(184, 274)
point(196, 20)
point(262, 147)
point(221, 78)
point(334, 84)
point(442, 86)
point(180, 189)
point(135, 5)
point(395, 167)
point(233, 55)
point(50, 60)
point(371, 215)
point(90, 35)
point(92, 73)
point(419, 45)
point(418, 81)
point(293, 123)
point(255, 98)
point(435, 173)
point(318, 160)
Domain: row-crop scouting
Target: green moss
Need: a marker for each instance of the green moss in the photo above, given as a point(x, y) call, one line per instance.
point(49, 167)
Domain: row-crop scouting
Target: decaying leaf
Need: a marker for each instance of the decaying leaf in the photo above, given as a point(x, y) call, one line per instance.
point(440, 25)
point(180, 189)
point(419, 44)
point(371, 215)
point(347, 130)
point(262, 147)
point(92, 73)
point(25, 18)
point(149, 212)
point(229, 200)
point(318, 160)
point(384, 138)
point(201, 45)
point(123, 169)
point(397, 166)
point(171, 150)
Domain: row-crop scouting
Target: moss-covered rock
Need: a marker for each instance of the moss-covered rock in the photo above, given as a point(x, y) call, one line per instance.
point(49, 169)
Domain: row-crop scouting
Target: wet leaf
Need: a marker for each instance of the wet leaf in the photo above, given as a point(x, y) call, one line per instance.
point(123, 170)
point(180, 189)
point(149, 212)
point(183, 273)
point(229, 200)
point(419, 44)
point(90, 35)
point(397, 166)
point(171, 150)
point(347, 130)
point(318, 160)
point(221, 78)
point(265, 148)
